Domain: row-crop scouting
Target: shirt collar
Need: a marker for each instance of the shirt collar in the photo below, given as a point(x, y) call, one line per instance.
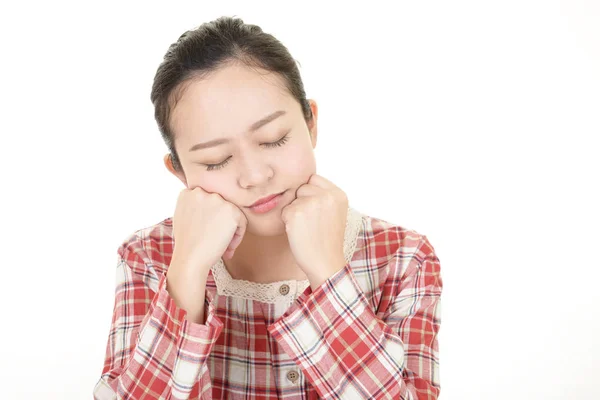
point(226, 285)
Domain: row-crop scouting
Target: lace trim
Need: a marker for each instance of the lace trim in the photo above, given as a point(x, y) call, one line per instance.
point(269, 292)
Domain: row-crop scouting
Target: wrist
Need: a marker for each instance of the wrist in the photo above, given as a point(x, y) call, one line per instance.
point(325, 272)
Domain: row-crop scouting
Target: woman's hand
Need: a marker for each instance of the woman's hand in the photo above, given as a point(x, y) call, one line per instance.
point(206, 227)
point(315, 223)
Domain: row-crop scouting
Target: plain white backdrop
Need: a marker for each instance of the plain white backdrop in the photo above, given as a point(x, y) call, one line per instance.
point(475, 123)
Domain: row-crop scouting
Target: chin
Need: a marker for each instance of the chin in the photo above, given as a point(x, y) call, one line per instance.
point(272, 226)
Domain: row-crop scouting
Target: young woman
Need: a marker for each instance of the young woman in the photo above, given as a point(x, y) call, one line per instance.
point(264, 284)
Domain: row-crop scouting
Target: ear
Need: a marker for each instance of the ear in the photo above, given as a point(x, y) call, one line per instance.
point(312, 126)
point(169, 164)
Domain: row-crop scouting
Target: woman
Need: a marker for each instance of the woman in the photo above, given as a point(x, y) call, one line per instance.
point(264, 283)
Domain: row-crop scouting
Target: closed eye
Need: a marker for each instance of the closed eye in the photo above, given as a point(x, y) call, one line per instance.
point(279, 143)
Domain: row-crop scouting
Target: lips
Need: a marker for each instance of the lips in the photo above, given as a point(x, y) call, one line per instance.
point(265, 199)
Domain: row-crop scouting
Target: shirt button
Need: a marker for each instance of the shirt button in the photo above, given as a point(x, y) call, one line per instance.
point(284, 289)
point(293, 376)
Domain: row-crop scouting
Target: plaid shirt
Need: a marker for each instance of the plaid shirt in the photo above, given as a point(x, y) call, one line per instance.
point(368, 332)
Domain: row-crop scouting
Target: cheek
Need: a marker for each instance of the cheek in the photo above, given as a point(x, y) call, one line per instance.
point(299, 163)
point(210, 184)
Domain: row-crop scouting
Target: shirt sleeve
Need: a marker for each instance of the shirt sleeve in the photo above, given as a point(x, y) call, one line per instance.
point(152, 350)
point(348, 351)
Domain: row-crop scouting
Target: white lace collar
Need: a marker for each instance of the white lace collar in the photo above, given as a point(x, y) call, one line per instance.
point(270, 292)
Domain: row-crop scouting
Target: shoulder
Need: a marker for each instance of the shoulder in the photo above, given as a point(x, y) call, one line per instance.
point(387, 253)
point(386, 238)
point(150, 247)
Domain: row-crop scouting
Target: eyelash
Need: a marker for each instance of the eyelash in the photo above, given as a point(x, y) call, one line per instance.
point(280, 142)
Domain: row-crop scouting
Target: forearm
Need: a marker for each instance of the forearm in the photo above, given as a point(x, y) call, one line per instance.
point(165, 353)
point(188, 289)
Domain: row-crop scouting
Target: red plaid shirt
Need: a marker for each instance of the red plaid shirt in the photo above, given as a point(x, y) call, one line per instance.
point(368, 332)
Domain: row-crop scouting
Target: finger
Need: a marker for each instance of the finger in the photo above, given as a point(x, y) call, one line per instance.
point(235, 242)
point(320, 181)
point(239, 234)
point(243, 223)
point(309, 190)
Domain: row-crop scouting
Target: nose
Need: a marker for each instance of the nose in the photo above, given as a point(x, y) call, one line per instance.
point(255, 170)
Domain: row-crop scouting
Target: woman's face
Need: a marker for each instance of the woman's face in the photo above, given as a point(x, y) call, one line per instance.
point(247, 163)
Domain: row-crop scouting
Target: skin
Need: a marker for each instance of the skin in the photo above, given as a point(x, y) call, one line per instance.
point(253, 170)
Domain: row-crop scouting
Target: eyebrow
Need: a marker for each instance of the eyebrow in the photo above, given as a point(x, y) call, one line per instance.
point(254, 127)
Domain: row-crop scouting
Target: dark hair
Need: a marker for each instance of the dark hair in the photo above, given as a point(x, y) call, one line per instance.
point(208, 47)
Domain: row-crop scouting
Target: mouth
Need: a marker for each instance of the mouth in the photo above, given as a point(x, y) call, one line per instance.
point(272, 204)
point(265, 200)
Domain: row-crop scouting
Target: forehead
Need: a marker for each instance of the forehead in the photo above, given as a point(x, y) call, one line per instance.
point(228, 101)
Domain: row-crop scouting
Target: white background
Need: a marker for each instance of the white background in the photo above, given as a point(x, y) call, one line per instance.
point(475, 123)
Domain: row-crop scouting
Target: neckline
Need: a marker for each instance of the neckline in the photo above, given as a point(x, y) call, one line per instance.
point(270, 292)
